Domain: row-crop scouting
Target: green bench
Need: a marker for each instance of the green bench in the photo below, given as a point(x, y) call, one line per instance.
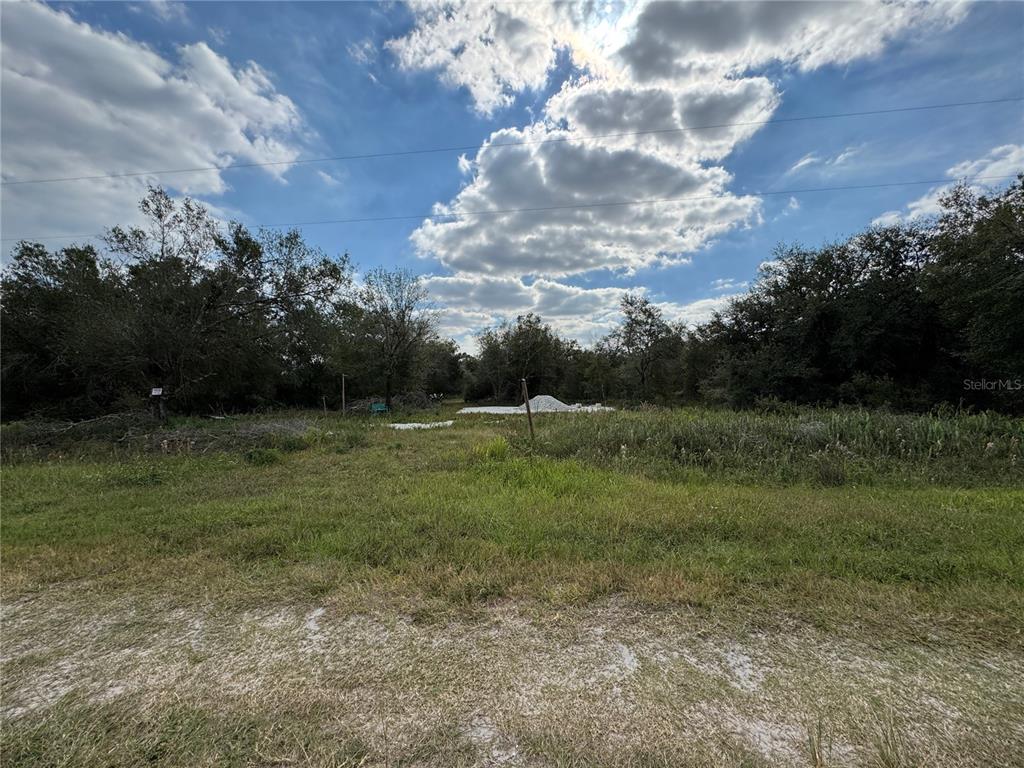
point(376, 408)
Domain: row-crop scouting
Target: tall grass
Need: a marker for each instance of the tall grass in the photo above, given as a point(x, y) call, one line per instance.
point(821, 446)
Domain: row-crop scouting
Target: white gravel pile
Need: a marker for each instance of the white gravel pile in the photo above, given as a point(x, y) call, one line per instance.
point(547, 403)
point(538, 404)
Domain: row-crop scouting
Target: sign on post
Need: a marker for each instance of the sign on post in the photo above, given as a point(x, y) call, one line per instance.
point(156, 402)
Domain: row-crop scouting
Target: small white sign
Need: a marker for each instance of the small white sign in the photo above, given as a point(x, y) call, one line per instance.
point(156, 391)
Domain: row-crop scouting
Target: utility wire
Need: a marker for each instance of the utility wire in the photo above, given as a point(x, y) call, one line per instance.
point(573, 206)
point(528, 142)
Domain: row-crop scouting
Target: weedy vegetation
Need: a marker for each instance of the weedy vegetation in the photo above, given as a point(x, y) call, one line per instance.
point(786, 444)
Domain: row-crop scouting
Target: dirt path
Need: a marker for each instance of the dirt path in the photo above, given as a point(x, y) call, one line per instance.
point(518, 684)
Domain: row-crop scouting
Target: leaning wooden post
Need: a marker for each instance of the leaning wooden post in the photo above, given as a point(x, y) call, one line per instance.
point(529, 413)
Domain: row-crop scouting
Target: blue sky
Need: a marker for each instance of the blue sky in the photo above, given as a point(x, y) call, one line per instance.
point(94, 88)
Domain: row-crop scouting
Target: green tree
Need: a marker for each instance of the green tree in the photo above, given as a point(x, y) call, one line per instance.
point(524, 349)
point(977, 283)
point(67, 339)
point(640, 342)
point(397, 325)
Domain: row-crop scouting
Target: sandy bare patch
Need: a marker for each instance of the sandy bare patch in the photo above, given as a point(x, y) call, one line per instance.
point(522, 683)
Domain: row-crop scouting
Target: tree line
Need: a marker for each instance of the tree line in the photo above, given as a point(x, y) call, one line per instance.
point(907, 316)
point(221, 320)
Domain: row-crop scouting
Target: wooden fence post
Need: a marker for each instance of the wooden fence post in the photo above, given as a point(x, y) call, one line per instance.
point(529, 413)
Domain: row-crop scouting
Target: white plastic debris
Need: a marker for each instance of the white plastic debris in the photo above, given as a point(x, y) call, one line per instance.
point(422, 425)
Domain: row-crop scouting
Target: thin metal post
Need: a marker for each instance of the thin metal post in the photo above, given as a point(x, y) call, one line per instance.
point(529, 413)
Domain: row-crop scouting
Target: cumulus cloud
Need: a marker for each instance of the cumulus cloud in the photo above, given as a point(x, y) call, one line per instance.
point(584, 314)
point(462, 326)
point(700, 121)
point(492, 50)
point(497, 294)
point(996, 166)
point(581, 313)
point(1006, 160)
point(887, 219)
point(127, 108)
point(511, 296)
point(694, 313)
point(688, 40)
point(563, 213)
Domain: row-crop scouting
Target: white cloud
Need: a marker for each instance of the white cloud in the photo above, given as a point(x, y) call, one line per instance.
point(494, 294)
point(462, 326)
point(509, 296)
point(219, 35)
point(1004, 161)
point(584, 314)
point(362, 52)
point(804, 162)
point(688, 40)
point(167, 10)
point(700, 121)
point(845, 156)
point(475, 303)
point(928, 204)
point(824, 164)
point(887, 219)
point(696, 312)
point(727, 284)
point(128, 108)
point(492, 50)
point(329, 180)
point(560, 240)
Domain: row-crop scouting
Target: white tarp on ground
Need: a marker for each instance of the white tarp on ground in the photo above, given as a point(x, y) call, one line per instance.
point(538, 404)
point(422, 425)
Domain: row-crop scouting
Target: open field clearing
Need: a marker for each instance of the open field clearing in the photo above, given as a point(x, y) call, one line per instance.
point(639, 588)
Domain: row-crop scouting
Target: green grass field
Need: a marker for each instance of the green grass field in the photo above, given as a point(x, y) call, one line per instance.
point(640, 588)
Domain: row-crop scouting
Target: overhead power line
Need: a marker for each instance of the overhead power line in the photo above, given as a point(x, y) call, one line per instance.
point(573, 206)
point(528, 142)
